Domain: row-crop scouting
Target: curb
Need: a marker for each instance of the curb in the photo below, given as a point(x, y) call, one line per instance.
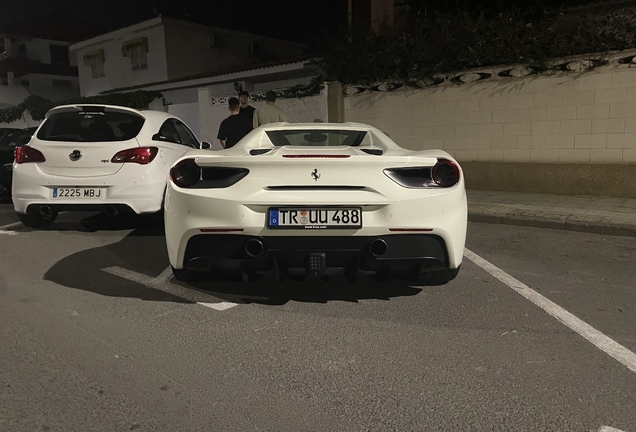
point(537, 222)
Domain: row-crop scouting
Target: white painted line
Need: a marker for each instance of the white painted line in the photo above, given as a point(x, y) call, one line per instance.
point(219, 306)
point(162, 282)
point(11, 225)
point(130, 275)
point(602, 342)
point(608, 429)
point(165, 275)
point(11, 233)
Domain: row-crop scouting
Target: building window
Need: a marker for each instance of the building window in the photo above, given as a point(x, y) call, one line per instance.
point(95, 60)
point(218, 40)
point(138, 57)
point(59, 54)
point(97, 66)
point(137, 51)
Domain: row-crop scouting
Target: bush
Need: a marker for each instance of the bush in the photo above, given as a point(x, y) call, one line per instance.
point(443, 43)
point(38, 106)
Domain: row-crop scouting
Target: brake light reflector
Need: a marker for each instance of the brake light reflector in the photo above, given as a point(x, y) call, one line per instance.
point(445, 173)
point(185, 173)
point(26, 154)
point(308, 156)
point(139, 155)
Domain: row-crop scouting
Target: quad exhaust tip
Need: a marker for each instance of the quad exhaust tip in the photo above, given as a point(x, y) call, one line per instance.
point(254, 248)
point(378, 247)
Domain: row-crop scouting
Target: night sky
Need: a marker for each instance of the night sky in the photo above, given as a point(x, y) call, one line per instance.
point(306, 21)
point(297, 20)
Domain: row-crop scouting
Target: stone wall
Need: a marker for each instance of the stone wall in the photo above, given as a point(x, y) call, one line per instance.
point(487, 116)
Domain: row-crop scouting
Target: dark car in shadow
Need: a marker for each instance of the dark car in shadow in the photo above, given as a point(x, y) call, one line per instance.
point(4, 131)
point(9, 140)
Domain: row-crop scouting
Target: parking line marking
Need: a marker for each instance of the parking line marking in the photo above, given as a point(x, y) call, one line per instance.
point(162, 282)
point(165, 275)
point(219, 306)
point(601, 341)
point(608, 429)
point(11, 225)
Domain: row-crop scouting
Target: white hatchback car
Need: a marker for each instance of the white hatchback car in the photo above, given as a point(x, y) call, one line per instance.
point(311, 198)
point(97, 157)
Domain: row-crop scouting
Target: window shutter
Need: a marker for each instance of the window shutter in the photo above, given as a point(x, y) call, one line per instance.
point(141, 41)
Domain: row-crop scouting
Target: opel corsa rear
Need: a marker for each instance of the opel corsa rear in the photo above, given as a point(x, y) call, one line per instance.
point(311, 199)
point(97, 157)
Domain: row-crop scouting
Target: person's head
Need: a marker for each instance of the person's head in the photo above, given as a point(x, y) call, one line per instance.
point(244, 97)
point(270, 96)
point(234, 104)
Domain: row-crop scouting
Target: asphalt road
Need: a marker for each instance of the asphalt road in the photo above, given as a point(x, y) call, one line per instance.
point(94, 336)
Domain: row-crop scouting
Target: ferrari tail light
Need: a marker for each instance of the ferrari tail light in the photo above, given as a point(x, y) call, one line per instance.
point(221, 177)
point(26, 154)
point(185, 173)
point(412, 177)
point(445, 173)
point(139, 155)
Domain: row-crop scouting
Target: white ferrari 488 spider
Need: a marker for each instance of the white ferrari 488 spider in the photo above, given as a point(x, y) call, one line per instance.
point(313, 198)
point(97, 157)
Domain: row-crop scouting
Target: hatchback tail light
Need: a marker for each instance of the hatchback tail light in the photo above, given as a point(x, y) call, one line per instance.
point(139, 155)
point(26, 154)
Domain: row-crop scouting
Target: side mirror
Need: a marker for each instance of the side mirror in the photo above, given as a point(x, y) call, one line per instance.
point(206, 145)
point(158, 137)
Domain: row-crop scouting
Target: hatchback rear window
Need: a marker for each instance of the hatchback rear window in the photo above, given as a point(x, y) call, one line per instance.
point(90, 126)
point(316, 137)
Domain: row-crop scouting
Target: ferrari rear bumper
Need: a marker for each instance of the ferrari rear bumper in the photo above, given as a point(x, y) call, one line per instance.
point(401, 256)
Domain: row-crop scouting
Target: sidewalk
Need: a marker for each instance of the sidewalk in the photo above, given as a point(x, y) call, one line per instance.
point(602, 215)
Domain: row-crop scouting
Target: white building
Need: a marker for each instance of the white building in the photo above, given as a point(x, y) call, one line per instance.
point(164, 49)
point(35, 66)
point(196, 68)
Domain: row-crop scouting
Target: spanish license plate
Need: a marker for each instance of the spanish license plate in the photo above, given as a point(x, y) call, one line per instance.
point(314, 217)
point(78, 192)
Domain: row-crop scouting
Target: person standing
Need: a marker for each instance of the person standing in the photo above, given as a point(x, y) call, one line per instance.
point(246, 109)
point(235, 127)
point(269, 113)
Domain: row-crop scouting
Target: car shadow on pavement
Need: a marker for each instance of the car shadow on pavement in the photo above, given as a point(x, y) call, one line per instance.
point(95, 221)
point(268, 291)
point(143, 252)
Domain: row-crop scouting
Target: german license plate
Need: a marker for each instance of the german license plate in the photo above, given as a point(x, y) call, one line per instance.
point(78, 193)
point(314, 217)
